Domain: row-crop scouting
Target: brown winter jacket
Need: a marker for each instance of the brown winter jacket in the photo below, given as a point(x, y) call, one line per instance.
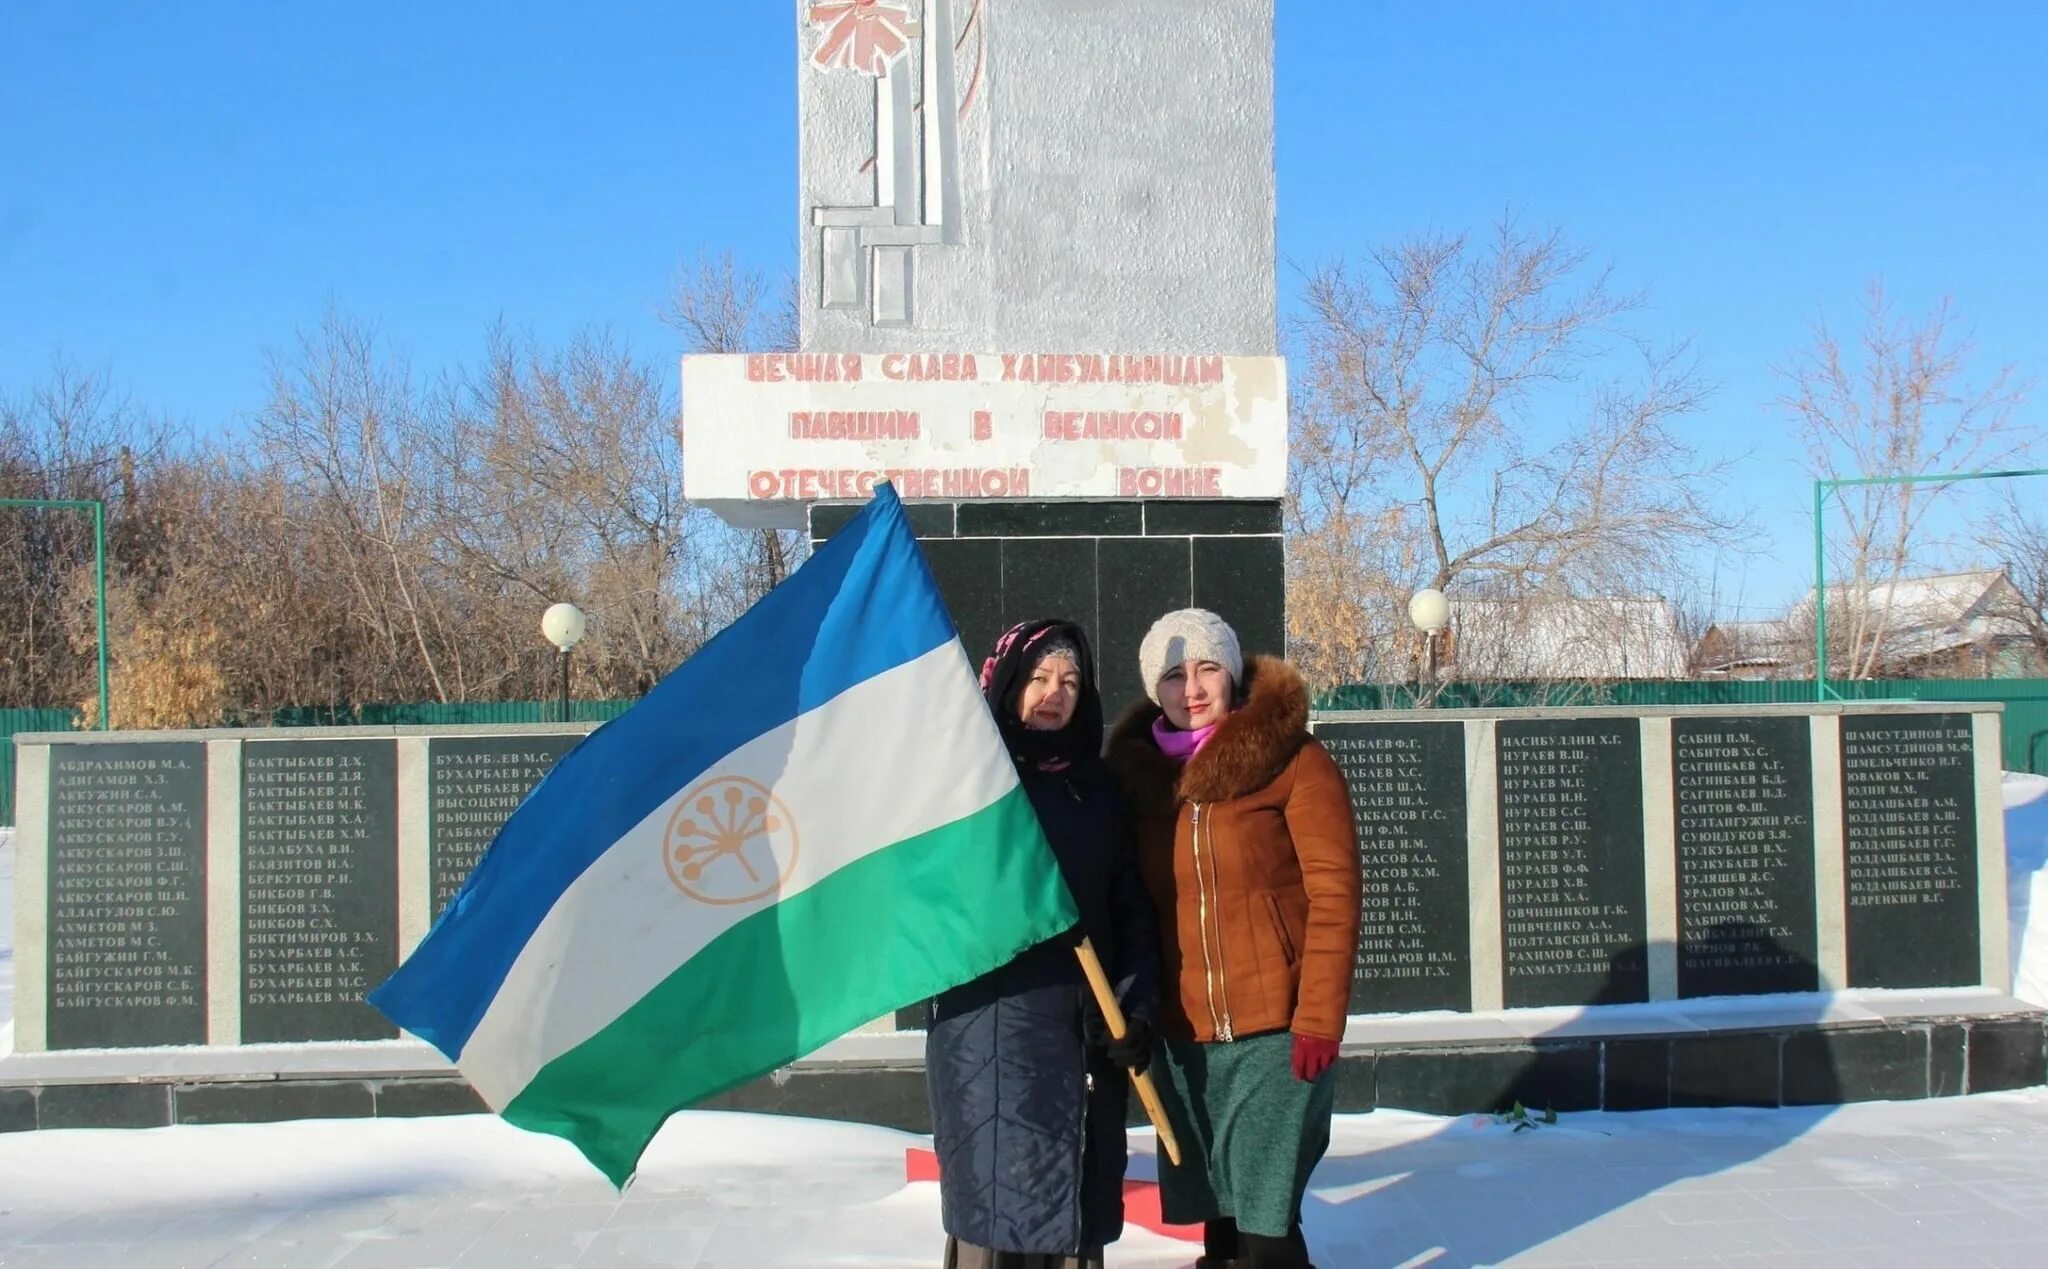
point(1251, 857)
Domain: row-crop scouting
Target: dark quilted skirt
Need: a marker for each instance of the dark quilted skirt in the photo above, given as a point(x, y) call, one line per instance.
point(961, 1255)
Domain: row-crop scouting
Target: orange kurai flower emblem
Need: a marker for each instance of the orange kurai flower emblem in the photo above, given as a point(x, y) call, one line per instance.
point(862, 35)
point(730, 841)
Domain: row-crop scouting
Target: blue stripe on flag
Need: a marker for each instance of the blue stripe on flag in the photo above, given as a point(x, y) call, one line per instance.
point(862, 604)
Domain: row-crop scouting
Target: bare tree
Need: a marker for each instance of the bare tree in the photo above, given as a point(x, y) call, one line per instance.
point(721, 308)
point(168, 626)
point(249, 561)
point(2018, 536)
point(1342, 600)
point(344, 426)
point(1695, 608)
point(1898, 402)
point(376, 539)
point(1476, 420)
point(70, 436)
point(562, 479)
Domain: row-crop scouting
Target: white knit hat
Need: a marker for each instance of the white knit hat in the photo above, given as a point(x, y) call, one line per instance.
point(1191, 634)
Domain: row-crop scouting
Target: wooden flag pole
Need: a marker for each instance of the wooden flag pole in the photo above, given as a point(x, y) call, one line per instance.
point(1113, 1014)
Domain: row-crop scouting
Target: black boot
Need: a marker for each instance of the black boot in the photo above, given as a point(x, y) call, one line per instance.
point(1221, 1245)
point(1289, 1251)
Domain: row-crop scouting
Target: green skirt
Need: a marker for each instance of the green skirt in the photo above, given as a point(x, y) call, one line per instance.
point(1250, 1133)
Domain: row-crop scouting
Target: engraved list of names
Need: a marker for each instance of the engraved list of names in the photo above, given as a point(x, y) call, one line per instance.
point(319, 887)
point(1746, 919)
point(477, 784)
point(1407, 783)
point(127, 895)
point(1910, 849)
point(1571, 862)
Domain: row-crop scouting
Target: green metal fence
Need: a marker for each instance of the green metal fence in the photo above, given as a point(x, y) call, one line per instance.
point(2025, 700)
point(14, 720)
point(449, 713)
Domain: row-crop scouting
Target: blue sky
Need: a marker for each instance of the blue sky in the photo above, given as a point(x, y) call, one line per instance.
point(182, 187)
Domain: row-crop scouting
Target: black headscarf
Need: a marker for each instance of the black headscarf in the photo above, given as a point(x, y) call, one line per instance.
point(1003, 679)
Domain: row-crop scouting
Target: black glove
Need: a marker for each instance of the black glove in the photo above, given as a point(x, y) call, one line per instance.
point(1134, 1051)
point(1094, 1031)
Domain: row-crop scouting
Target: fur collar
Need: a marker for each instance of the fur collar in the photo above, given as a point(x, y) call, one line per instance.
point(1248, 752)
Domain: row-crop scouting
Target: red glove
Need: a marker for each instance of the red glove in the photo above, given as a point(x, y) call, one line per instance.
point(1312, 1057)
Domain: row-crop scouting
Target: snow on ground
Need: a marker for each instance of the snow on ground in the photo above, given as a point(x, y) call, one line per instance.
point(1956, 1181)
point(714, 1189)
point(2026, 854)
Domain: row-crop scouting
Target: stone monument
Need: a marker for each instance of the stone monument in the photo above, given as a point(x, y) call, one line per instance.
point(1039, 297)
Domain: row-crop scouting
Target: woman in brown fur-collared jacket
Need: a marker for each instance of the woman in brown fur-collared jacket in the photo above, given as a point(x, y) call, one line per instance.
point(1247, 845)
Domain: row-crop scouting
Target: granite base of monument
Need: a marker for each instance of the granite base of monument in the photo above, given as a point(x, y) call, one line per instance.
point(1112, 566)
point(1811, 1050)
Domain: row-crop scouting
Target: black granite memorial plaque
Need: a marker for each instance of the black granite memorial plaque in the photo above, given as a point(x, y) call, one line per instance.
point(969, 573)
point(476, 784)
point(1744, 796)
point(1909, 812)
point(1571, 861)
point(319, 887)
point(127, 895)
point(1049, 575)
point(1407, 784)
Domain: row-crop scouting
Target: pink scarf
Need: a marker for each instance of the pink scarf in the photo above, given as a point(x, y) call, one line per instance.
point(1177, 744)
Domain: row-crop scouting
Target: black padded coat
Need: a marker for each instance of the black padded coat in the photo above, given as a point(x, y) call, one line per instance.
point(1027, 1113)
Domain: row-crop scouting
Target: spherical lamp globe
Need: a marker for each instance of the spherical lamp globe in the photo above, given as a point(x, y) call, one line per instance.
point(563, 625)
point(1429, 610)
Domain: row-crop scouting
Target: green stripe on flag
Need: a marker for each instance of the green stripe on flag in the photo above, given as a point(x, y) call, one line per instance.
point(896, 926)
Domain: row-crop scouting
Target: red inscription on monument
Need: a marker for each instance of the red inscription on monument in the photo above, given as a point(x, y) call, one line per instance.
point(931, 367)
point(1113, 425)
point(803, 368)
point(1113, 368)
point(811, 483)
point(1169, 482)
point(854, 425)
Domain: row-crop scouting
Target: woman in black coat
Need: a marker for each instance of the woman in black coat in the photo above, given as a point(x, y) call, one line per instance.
point(1028, 1093)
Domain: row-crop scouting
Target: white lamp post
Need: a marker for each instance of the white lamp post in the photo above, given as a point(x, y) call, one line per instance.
point(563, 625)
point(1430, 612)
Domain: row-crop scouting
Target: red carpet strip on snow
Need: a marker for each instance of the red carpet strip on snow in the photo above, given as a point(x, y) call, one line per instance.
point(1141, 1198)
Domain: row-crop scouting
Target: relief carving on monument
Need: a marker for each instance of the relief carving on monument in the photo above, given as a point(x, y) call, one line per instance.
point(914, 51)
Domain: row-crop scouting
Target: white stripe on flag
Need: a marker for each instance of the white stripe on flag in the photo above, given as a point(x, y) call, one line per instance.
point(900, 754)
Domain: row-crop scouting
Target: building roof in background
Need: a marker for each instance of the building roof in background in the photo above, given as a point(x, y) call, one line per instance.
point(1924, 616)
point(1752, 645)
point(1559, 637)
